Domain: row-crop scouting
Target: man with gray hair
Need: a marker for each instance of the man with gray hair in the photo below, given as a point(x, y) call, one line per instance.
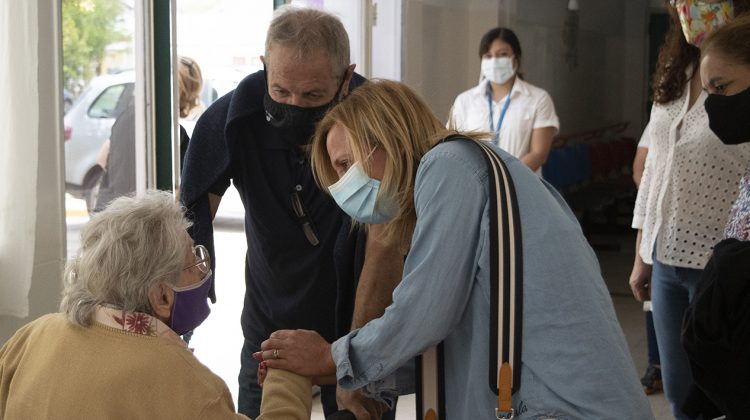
point(303, 260)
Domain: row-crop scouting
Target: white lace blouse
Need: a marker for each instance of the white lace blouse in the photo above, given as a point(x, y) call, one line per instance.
point(688, 186)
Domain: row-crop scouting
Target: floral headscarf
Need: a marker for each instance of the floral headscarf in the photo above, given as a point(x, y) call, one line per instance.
point(699, 17)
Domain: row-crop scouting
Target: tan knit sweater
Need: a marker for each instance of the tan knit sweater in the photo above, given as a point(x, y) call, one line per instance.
point(53, 369)
point(286, 396)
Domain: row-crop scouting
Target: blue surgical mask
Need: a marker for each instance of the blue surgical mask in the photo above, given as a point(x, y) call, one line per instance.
point(357, 194)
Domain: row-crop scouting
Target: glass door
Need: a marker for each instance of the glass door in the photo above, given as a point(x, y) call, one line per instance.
point(99, 79)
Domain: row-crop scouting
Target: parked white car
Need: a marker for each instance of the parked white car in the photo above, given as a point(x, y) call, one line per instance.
point(88, 124)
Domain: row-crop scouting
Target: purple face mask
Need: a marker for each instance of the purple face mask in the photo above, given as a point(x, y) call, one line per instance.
point(190, 307)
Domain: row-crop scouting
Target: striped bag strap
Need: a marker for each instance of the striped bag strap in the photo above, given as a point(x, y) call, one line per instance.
point(506, 278)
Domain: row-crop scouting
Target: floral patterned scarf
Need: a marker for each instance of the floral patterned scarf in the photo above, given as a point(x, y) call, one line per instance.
point(136, 323)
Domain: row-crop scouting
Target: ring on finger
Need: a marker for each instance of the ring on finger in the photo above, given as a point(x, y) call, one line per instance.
point(275, 353)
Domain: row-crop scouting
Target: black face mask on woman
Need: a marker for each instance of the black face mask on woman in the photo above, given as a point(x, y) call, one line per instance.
point(729, 116)
point(296, 117)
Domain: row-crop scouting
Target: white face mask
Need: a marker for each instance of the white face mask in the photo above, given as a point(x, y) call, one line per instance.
point(498, 70)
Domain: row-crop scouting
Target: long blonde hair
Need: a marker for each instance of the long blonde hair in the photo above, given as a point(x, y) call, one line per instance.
point(190, 81)
point(394, 118)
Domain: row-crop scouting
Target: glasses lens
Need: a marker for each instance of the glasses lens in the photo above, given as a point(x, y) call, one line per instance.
point(202, 258)
point(297, 205)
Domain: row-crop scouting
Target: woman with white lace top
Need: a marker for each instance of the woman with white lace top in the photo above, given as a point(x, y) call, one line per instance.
point(687, 189)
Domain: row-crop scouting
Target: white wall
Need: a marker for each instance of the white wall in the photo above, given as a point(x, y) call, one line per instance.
point(386, 40)
point(440, 47)
point(608, 83)
point(350, 13)
point(440, 60)
point(46, 283)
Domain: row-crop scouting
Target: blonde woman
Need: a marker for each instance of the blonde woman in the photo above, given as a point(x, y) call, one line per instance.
point(381, 155)
point(190, 81)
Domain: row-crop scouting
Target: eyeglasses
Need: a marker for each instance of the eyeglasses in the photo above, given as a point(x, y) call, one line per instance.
point(304, 220)
point(202, 259)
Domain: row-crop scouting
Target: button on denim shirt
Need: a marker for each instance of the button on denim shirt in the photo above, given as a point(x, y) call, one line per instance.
point(575, 361)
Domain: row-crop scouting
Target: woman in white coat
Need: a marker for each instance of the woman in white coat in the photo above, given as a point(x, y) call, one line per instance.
point(521, 115)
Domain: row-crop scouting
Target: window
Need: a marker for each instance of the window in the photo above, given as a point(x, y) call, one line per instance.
point(105, 105)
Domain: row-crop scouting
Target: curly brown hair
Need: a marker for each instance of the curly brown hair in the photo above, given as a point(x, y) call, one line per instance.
point(676, 56)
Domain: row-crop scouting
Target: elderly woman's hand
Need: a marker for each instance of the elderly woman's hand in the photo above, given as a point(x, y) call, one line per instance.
point(362, 407)
point(262, 373)
point(303, 352)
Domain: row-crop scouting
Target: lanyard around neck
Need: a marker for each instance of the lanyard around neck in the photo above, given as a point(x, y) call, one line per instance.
point(502, 113)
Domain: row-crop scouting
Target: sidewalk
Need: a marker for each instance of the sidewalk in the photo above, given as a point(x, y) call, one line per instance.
point(75, 208)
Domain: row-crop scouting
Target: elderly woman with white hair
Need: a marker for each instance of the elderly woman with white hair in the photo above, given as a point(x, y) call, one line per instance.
point(114, 350)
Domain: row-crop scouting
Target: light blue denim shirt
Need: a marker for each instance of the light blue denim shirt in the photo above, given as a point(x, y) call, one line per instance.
point(575, 362)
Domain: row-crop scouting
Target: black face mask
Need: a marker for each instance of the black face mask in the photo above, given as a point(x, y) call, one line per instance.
point(729, 117)
point(296, 117)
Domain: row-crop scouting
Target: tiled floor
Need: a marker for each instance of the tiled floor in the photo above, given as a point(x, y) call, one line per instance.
point(616, 265)
point(218, 341)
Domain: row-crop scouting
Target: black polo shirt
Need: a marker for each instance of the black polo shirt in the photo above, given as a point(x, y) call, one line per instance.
point(289, 275)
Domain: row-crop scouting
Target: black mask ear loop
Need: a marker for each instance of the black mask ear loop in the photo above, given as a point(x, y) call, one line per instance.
point(337, 96)
point(265, 77)
point(269, 116)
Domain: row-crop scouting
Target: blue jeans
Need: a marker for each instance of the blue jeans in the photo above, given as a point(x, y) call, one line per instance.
point(653, 349)
point(672, 289)
point(249, 392)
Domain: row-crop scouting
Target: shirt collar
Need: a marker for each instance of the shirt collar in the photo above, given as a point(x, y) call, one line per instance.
point(135, 323)
point(520, 87)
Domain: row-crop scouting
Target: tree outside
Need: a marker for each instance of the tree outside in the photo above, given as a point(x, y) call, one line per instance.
point(88, 28)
